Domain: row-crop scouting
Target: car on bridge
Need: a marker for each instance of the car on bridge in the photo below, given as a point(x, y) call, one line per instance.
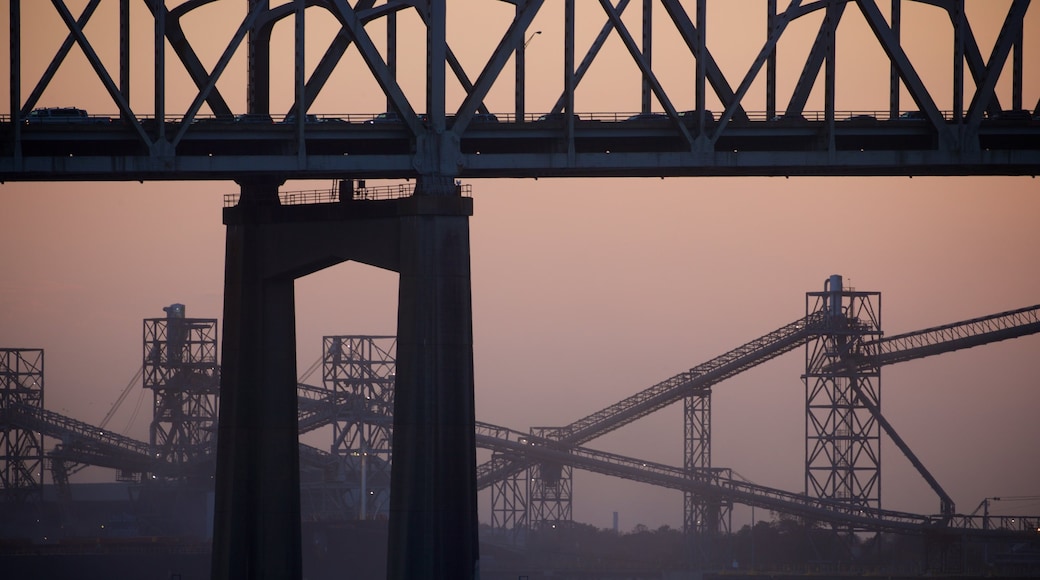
point(861, 119)
point(691, 117)
point(648, 118)
point(307, 118)
point(789, 118)
point(1010, 116)
point(254, 118)
point(559, 118)
point(63, 115)
point(912, 116)
point(392, 117)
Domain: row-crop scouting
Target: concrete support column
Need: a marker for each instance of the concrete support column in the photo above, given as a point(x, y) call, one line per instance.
point(433, 512)
point(433, 497)
point(256, 532)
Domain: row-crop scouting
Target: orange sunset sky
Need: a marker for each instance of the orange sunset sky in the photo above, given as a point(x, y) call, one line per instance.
point(585, 291)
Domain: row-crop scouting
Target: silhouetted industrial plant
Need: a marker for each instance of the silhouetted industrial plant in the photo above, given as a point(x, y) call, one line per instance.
point(239, 92)
point(836, 523)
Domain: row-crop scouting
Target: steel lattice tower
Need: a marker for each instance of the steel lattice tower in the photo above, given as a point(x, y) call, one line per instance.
point(509, 503)
point(21, 462)
point(551, 490)
point(703, 517)
point(843, 436)
point(698, 515)
point(181, 369)
point(360, 371)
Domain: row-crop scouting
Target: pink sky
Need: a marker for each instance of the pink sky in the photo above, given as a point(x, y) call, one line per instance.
point(586, 291)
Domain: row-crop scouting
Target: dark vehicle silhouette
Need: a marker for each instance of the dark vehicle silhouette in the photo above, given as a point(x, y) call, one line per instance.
point(556, 118)
point(308, 118)
point(648, 118)
point(691, 117)
point(55, 115)
point(257, 118)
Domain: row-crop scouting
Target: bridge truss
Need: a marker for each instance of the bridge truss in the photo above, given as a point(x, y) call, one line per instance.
point(471, 117)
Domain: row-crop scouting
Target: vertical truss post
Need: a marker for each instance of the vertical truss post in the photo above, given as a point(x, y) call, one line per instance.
point(771, 62)
point(893, 75)
point(1016, 67)
point(160, 68)
point(181, 370)
point(702, 59)
point(436, 54)
point(647, 48)
point(258, 71)
point(124, 50)
point(843, 435)
point(959, 25)
point(359, 372)
point(569, 82)
point(299, 77)
point(391, 52)
point(830, 24)
point(21, 450)
point(551, 490)
point(521, 66)
point(15, 79)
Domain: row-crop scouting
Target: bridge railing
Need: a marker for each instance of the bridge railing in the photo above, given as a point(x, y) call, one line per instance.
point(335, 195)
point(345, 120)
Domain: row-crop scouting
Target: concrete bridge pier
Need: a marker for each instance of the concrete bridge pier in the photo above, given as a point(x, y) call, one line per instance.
point(433, 512)
point(256, 533)
point(433, 488)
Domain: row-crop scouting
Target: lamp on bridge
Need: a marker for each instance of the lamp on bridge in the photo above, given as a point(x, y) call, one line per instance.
point(530, 38)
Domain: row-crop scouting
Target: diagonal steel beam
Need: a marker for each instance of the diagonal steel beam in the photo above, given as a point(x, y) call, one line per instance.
point(100, 71)
point(644, 67)
point(590, 56)
point(692, 36)
point(332, 55)
point(222, 63)
point(182, 48)
point(946, 505)
point(513, 38)
point(811, 70)
point(972, 54)
point(985, 91)
point(59, 57)
point(782, 20)
point(456, 66)
point(355, 28)
point(911, 79)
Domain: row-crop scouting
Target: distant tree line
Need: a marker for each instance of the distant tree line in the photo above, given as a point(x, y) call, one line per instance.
point(783, 544)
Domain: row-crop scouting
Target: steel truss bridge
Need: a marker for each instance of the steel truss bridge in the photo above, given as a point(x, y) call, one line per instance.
point(485, 112)
point(478, 107)
point(363, 401)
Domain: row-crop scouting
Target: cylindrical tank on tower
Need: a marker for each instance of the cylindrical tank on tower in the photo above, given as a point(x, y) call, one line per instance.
point(833, 286)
